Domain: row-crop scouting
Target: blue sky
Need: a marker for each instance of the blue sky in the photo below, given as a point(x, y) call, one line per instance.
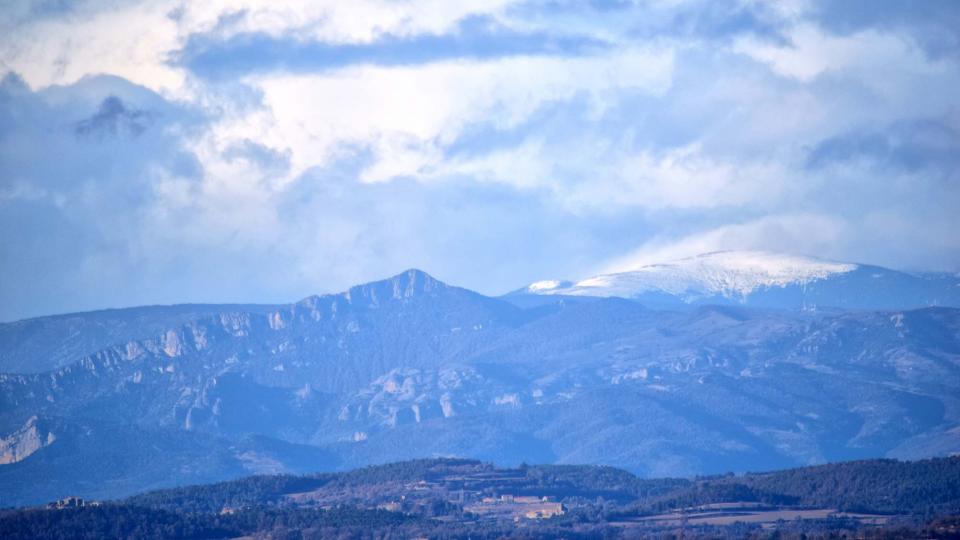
point(248, 151)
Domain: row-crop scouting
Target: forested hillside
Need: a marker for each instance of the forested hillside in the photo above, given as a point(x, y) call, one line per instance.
point(460, 498)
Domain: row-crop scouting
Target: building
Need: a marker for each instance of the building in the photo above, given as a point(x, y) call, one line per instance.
point(544, 510)
point(68, 502)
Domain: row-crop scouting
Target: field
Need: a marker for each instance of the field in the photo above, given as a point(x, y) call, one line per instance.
point(729, 513)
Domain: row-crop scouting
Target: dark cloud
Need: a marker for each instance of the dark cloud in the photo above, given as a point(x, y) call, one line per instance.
point(928, 145)
point(20, 11)
point(933, 24)
point(268, 159)
point(113, 118)
point(209, 55)
point(12, 90)
point(72, 207)
point(721, 20)
point(705, 20)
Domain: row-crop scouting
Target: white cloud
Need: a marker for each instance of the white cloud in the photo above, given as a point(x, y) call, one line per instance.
point(138, 40)
point(334, 21)
point(587, 175)
point(130, 40)
point(407, 115)
point(684, 177)
point(812, 52)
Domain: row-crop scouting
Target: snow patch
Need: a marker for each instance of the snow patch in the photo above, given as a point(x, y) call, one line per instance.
point(727, 273)
point(897, 320)
point(545, 285)
point(639, 374)
point(507, 399)
point(446, 405)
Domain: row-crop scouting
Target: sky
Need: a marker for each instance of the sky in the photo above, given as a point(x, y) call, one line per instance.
point(161, 151)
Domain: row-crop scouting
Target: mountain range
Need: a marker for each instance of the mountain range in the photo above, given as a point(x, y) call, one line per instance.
point(724, 362)
point(763, 279)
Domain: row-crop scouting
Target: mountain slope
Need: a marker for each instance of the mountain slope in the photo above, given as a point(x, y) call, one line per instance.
point(44, 343)
point(763, 279)
point(410, 367)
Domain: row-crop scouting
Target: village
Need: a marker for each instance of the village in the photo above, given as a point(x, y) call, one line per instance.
point(72, 502)
point(508, 506)
point(473, 492)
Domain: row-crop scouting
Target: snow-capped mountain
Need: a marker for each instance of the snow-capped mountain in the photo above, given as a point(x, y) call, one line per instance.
point(726, 273)
point(763, 279)
point(411, 367)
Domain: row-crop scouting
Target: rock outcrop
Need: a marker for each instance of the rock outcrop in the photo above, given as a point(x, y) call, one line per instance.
point(22, 443)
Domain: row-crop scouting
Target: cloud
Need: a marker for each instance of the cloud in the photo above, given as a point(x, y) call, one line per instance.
point(155, 151)
point(125, 39)
point(137, 40)
point(78, 166)
point(602, 177)
point(878, 236)
point(934, 24)
point(407, 116)
point(810, 52)
point(474, 38)
point(928, 145)
point(330, 21)
point(114, 119)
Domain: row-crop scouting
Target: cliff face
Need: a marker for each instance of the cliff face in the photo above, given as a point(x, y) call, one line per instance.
point(20, 444)
point(409, 367)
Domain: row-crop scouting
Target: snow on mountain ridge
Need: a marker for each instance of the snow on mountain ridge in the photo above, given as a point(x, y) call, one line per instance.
point(546, 285)
point(726, 273)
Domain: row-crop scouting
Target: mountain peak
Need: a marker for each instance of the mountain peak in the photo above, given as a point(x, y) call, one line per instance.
point(743, 271)
point(407, 284)
point(762, 279)
point(415, 280)
point(729, 274)
point(415, 274)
